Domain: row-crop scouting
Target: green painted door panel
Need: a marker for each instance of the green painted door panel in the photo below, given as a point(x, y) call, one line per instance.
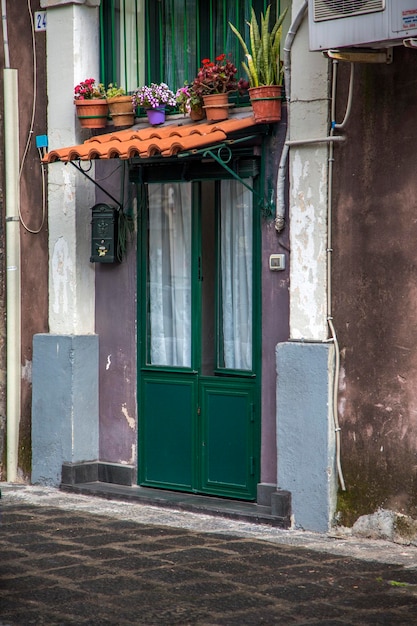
point(167, 432)
point(228, 457)
point(198, 384)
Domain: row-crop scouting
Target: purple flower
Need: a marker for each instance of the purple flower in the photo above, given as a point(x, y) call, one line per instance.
point(153, 95)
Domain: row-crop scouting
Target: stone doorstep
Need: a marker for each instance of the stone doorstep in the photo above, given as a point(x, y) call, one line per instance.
point(115, 482)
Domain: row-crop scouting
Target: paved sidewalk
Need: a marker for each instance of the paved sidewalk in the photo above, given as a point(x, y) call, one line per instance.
point(73, 559)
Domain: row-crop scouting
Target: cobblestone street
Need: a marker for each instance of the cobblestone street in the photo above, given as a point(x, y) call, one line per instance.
point(65, 564)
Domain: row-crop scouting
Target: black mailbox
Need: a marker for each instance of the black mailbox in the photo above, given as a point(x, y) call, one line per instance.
point(104, 234)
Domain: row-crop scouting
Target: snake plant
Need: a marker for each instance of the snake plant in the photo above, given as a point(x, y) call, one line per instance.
point(263, 65)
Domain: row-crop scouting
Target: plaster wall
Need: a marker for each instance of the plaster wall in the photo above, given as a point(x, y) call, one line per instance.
point(116, 321)
point(65, 414)
point(374, 286)
point(27, 58)
point(275, 302)
point(70, 195)
point(45, 4)
point(308, 191)
point(305, 431)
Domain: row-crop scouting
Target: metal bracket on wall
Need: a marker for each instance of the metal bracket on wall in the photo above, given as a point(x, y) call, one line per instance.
point(80, 169)
point(353, 55)
point(222, 154)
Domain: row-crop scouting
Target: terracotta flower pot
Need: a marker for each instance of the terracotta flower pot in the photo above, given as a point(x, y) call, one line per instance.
point(121, 110)
point(266, 103)
point(216, 106)
point(92, 113)
point(197, 114)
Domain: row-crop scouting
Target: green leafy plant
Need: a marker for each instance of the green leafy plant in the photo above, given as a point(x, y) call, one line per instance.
point(113, 91)
point(263, 65)
point(217, 76)
point(187, 99)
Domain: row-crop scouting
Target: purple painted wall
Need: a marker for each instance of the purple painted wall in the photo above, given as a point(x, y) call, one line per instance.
point(375, 286)
point(116, 326)
point(275, 310)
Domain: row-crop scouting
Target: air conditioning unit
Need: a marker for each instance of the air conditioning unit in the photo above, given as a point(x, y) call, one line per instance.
point(361, 23)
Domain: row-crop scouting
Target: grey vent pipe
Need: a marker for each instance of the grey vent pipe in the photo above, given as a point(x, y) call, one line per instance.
point(282, 169)
point(13, 289)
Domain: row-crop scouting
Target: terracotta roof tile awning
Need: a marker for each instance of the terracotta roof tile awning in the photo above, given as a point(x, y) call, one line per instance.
point(163, 141)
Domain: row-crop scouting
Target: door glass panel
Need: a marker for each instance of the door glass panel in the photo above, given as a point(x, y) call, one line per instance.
point(169, 275)
point(236, 243)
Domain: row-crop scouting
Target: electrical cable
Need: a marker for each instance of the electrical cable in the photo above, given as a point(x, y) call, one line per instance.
point(32, 121)
point(333, 335)
point(30, 134)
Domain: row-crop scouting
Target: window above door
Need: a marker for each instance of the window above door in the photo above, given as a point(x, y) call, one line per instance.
point(146, 41)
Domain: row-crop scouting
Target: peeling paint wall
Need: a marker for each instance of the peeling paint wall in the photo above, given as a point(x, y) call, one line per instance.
point(70, 194)
point(375, 287)
point(308, 192)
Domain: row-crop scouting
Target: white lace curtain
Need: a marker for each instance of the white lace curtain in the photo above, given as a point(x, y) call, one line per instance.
point(182, 29)
point(131, 45)
point(170, 274)
point(236, 275)
point(170, 257)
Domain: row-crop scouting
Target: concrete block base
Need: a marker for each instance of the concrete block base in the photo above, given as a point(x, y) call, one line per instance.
point(264, 492)
point(305, 432)
point(64, 403)
point(97, 471)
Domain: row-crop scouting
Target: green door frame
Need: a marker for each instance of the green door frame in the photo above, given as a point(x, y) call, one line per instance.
point(237, 391)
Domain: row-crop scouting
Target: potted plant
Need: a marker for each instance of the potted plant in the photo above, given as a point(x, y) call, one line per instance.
point(120, 105)
point(189, 102)
point(154, 99)
point(214, 81)
point(263, 66)
point(91, 104)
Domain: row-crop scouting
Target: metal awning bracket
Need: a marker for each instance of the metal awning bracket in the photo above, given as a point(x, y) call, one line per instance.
point(222, 154)
point(80, 169)
point(224, 160)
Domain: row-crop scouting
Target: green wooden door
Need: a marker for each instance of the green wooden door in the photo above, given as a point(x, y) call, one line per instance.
point(228, 464)
point(198, 388)
point(168, 435)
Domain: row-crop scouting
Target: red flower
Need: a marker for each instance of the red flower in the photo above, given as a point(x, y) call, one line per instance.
point(88, 89)
point(218, 77)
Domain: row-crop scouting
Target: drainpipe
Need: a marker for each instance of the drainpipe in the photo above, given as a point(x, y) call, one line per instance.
point(280, 212)
point(13, 313)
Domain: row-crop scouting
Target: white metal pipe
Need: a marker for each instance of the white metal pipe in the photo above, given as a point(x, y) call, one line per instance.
point(13, 314)
point(302, 142)
point(335, 408)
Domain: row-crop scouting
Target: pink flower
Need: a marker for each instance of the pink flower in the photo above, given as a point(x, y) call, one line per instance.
point(88, 89)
